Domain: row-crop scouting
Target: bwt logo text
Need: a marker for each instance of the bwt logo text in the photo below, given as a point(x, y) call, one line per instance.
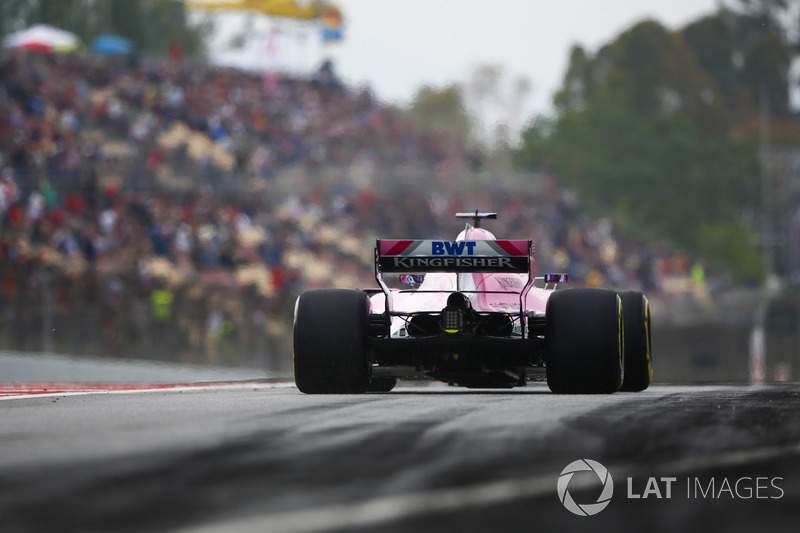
point(452, 248)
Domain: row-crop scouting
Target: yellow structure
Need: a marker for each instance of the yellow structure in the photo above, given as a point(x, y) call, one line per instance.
point(293, 9)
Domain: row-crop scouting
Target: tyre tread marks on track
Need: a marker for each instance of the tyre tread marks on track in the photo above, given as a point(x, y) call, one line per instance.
point(763, 417)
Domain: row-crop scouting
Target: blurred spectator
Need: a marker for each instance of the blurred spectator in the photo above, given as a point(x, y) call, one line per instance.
point(144, 189)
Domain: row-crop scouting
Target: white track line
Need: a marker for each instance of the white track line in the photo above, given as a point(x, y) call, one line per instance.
point(381, 510)
point(187, 388)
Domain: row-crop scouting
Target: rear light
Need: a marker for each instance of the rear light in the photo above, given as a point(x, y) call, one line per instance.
point(451, 320)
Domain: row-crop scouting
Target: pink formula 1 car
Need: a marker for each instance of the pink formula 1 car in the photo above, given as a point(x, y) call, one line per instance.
point(473, 316)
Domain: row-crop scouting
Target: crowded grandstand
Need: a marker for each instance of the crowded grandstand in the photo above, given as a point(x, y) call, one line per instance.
point(167, 208)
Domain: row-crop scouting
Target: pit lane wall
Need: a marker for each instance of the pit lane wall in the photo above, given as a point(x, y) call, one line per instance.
point(41, 367)
point(710, 341)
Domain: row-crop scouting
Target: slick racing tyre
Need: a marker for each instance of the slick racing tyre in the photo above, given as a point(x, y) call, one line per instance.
point(330, 342)
point(638, 355)
point(584, 336)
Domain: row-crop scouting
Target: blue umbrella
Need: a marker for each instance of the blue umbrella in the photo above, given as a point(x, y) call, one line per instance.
point(108, 45)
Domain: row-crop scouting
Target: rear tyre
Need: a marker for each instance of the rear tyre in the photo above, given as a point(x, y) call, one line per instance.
point(638, 357)
point(584, 331)
point(330, 342)
point(382, 384)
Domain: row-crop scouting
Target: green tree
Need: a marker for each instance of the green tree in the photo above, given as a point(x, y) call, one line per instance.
point(767, 59)
point(712, 41)
point(766, 38)
point(656, 71)
point(578, 81)
point(754, 17)
point(642, 134)
point(654, 175)
point(14, 14)
point(442, 110)
point(154, 25)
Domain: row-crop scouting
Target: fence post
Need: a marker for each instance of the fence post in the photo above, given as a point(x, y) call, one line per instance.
point(47, 310)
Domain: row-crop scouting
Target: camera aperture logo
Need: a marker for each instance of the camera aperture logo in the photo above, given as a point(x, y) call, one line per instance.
point(585, 509)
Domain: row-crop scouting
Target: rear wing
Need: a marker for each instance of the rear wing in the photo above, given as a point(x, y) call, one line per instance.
point(423, 256)
point(453, 256)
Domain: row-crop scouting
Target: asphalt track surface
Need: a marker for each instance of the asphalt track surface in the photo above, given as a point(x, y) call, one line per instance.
point(265, 458)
